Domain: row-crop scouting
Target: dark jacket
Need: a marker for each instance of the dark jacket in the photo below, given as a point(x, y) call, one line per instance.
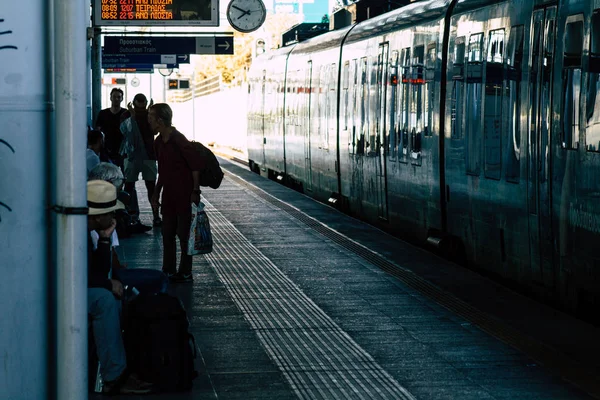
point(99, 264)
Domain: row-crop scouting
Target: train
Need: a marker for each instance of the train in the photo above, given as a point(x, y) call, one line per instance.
point(471, 127)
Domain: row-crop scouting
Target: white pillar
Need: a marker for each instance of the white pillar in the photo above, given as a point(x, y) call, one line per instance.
point(71, 19)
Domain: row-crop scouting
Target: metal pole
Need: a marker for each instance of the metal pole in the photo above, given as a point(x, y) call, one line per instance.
point(71, 20)
point(89, 113)
point(96, 74)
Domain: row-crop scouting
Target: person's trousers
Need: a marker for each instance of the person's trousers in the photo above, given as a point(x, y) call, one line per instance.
point(145, 280)
point(176, 225)
point(105, 310)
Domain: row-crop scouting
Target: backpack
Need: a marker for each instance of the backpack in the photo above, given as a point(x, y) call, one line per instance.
point(211, 175)
point(159, 347)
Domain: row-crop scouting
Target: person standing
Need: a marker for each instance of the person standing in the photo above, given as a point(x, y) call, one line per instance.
point(140, 155)
point(179, 181)
point(108, 121)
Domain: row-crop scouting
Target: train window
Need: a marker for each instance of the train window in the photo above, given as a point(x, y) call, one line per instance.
point(592, 129)
point(404, 98)
point(353, 105)
point(393, 128)
point(363, 107)
point(331, 104)
point(473, 104)
point(458, 87)
point(495, 51)
point(290, 99)
point(417, 100)
point(373, 109)
point(298, 96)
point(306, 100)
point(571, 81)
point(430, 63)
point(492, 109)
point(323, 113)
point(344, 97)
point(514, 61)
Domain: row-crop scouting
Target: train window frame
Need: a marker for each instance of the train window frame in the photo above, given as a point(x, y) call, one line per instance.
point(345, 85)
point(306, 99)
point(571, 79)
point(592, 100)
point(372, 107)
point(354, 105)
point(514, 85)
point(393, 126)
point(493, 118)
point(330, 104)
point(405, 61)
point(324, 104)
point(473, 101)
point(364, 106)
point(417, 105)
point(458, 89)
point(430, 64)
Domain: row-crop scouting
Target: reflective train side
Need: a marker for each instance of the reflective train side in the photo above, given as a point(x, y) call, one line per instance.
point(473, 125)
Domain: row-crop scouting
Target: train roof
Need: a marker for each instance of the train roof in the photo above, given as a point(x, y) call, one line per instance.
point(322, 42)
point(271, 55)
point(411, 14)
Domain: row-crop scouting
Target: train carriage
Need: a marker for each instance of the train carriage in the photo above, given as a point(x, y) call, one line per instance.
point(266, 85)
point(389, 130)
point(470, 124)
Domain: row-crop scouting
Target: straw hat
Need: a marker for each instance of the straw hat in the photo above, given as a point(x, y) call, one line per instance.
point(102, 197)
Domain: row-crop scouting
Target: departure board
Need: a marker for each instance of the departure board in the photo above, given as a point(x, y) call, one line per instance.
point(156, 12)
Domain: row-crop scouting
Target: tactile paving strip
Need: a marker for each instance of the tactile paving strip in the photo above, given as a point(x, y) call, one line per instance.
point(567, 368)
point(318, 359)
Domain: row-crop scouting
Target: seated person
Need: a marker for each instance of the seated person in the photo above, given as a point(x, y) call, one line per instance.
point(104, 294)
point(95, 144)
point(111, 173)
point(143, 279)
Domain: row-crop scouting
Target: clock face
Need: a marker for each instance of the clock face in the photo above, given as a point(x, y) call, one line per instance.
point(246, 15)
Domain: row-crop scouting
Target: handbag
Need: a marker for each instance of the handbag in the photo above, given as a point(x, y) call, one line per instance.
point(200, 239)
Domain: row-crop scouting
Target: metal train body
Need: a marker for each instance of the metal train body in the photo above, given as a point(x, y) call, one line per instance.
point(473, 122)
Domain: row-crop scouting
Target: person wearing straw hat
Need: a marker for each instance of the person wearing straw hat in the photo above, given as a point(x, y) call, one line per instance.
point(104, 293)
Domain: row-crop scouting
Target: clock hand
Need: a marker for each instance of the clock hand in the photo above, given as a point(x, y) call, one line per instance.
point(247, 12)
point(237, 8)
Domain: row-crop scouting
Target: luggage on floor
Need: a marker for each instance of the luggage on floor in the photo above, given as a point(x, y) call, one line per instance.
point(158, 344)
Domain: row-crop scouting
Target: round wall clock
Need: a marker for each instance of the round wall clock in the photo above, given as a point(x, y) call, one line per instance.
point(246, 15)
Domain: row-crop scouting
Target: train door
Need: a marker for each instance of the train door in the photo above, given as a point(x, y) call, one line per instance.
point(539, 150)
point(381, 129)
point(307, 127)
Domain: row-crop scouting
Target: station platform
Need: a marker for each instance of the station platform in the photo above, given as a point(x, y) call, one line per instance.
point(299, 301)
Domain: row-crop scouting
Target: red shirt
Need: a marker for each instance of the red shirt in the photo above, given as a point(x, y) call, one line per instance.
point(177, 158)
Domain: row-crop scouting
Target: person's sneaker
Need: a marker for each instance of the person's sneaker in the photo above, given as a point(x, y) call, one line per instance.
point(181, 278)
point(169, 275)
point(131, 385)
